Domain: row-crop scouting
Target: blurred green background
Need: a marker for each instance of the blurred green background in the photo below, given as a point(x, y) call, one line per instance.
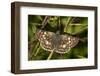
point(75, 26)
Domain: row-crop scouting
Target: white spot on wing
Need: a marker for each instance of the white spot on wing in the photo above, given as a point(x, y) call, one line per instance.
point(44, 32)
point(69, 38)
point(64, 46)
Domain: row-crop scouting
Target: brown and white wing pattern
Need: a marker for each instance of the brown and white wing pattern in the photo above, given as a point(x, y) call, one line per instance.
point(67, 42)
point(45, 39)
point(60, 44)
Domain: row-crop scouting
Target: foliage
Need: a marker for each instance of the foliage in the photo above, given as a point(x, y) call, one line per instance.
point(76, 26)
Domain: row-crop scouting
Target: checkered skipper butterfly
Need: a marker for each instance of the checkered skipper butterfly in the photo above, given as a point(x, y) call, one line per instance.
point(51, 41)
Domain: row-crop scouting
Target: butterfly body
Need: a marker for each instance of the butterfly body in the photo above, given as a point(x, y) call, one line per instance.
point(56, 42)
point(56, 39)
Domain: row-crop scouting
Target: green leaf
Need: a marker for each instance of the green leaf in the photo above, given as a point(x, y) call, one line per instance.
point(34, 29)
point(74, 28)
point(30, 34)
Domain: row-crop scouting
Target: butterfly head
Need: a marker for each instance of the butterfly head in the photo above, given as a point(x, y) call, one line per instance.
point(58, 33)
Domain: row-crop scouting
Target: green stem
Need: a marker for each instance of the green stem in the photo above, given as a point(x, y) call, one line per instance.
point(83, 39)
point(35, 24)
point(79, 31)
point(37, 51)
point(45, 21)
point(50, 55)
point(61, 56)
point(34, 49)
point(80, 56)
point(68, 22)
point(77, 24)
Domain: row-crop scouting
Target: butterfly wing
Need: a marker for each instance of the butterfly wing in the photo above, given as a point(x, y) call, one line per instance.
point(67, 42)
point(45, 39)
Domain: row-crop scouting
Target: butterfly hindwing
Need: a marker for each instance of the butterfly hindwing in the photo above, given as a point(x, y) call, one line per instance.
point(67, 42)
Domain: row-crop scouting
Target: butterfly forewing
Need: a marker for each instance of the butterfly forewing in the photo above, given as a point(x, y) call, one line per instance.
point(45, 39)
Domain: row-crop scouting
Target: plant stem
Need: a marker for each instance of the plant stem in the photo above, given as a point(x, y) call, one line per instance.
point(37, 51)
point(80, 56)
point(45, 21)
point(50, 55)
point(77, 24)
point(61, 56)
point(83, 39)
point(80, 31)
point(34, 49)
point(68, 22)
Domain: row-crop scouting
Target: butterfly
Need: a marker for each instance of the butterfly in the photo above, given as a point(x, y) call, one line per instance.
point(56, 42)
